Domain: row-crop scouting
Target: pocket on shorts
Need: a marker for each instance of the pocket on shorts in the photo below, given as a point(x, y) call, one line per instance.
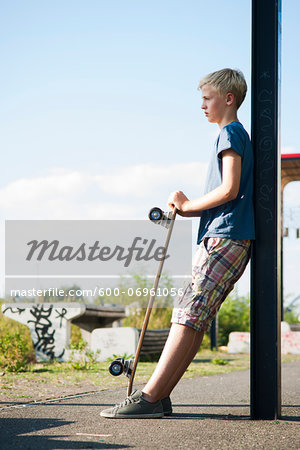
point(211, 243)
point(203, 277)
point(203, 282)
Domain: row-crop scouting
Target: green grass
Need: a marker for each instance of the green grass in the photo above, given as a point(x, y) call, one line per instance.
point(54, 379)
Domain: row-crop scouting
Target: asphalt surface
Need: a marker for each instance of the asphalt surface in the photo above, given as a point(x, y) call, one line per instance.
point(210, 412)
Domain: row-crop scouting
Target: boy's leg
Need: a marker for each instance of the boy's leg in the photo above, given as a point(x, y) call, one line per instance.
point(217, 265)
point(182, 345)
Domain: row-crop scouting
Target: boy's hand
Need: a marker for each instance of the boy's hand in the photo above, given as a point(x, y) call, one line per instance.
point(183, 205)
point(179, 200)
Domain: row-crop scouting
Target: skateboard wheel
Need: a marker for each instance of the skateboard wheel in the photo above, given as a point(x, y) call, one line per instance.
point(155, 214)
point(116, 368)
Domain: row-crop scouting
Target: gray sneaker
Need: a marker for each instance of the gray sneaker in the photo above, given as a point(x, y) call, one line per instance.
point(135, 407)
point(167, 406)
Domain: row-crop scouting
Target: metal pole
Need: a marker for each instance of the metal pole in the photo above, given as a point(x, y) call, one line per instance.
point(214, 334)
point(266, 267)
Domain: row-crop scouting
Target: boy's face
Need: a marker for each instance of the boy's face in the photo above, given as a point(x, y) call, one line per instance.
point(214, 104)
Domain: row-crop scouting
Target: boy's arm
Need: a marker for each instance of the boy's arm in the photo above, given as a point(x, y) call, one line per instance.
point(227, 191)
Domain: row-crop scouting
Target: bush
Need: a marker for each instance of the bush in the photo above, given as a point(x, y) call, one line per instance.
point(206, 341)
point(83, 359)
point(76, 337)
point(16, 348)
point(290, 316)
point(16, 352)
point(159, 318)
point(234, 315)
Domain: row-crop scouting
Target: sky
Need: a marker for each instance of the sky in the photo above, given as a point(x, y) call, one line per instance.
point(100, 116)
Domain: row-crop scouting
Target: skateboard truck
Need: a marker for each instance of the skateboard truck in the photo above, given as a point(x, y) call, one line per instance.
point(121, 365)
point(156, 215)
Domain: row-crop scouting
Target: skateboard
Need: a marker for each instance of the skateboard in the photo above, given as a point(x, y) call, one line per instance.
point(128, 366)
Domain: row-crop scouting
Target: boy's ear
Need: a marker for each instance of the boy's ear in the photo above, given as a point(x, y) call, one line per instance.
point(230, 98)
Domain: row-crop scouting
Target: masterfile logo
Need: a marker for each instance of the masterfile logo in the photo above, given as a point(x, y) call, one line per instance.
point(36, 250)
point(55, 251)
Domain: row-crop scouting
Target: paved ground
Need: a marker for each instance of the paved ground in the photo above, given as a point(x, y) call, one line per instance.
point(209, 413)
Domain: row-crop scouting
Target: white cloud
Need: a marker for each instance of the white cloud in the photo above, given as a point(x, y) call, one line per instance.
point(42, 197)
point(68, 194)
point(140, 180)
point(56, 182)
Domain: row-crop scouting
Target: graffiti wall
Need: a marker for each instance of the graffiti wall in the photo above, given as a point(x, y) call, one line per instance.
point(49, 325)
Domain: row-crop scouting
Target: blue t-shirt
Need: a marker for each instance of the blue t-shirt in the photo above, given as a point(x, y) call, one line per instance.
point(234, 219)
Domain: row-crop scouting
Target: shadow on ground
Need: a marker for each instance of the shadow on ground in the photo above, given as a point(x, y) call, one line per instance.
point(10, 439)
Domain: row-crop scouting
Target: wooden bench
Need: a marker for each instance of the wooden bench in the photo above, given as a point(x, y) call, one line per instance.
point(154, 341)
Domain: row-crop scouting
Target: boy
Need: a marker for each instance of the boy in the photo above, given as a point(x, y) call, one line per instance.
point(225, 232)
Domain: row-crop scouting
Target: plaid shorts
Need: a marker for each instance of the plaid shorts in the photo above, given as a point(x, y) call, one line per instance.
point(216, 267)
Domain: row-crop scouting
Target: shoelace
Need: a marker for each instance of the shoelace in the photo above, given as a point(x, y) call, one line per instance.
point(127, 401)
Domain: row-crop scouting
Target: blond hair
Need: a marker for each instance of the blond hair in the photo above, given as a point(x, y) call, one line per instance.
point(225, 81)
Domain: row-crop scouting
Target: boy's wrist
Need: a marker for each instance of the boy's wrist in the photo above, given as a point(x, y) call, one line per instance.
point(186, 206)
